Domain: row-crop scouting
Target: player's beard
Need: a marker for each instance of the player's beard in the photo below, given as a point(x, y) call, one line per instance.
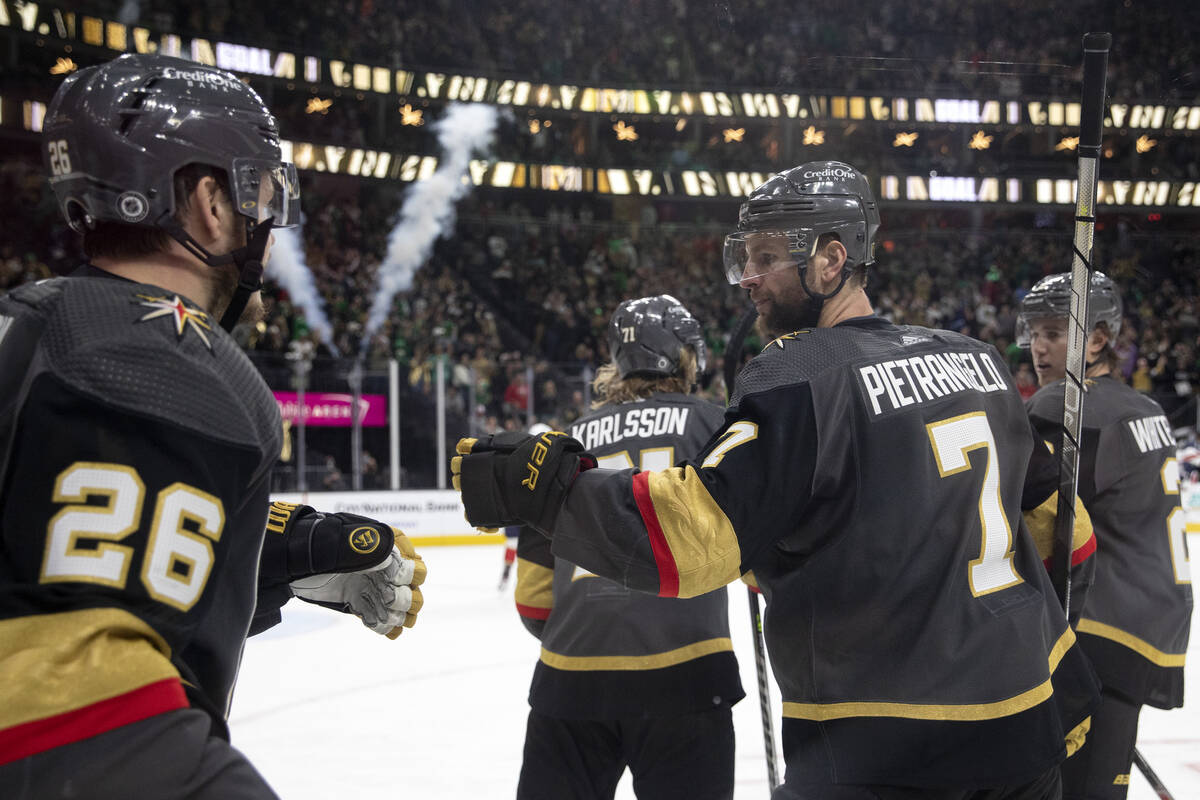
point(791, 310)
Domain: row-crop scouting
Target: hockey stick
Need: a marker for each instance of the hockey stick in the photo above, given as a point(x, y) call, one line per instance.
point(733, 354)
point(1091, 126)
point(1151, 776)
point(1091, 122)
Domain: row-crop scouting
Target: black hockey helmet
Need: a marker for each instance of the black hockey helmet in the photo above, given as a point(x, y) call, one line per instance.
point(801, 204)
point(646, 335)
point(1050, 298)
point(116, 134)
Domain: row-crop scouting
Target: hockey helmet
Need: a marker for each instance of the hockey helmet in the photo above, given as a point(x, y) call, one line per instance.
point(116, 134)
point(646, 336)
point(1050, 298)
point(799, 205)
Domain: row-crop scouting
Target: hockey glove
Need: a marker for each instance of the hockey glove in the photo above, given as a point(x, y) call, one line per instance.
point(385, 597)
point(513, 478)
point(302, 541)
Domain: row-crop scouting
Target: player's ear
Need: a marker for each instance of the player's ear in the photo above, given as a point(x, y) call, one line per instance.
point(835, 258)
point(207, 210)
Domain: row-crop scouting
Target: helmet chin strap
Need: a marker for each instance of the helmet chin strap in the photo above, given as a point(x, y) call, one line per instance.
point(812, 314)
point(249, 260)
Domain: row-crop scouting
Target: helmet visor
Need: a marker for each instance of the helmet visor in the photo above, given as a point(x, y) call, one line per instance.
point(1027, 321)
point(749, 254)
point(264, 189)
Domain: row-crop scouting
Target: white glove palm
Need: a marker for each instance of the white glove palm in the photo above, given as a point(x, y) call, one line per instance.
point(385, 597)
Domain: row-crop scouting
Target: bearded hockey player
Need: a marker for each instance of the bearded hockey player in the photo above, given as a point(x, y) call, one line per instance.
point(626, 678)
point(136, 442)
point(1135, 619)
point(873, 477)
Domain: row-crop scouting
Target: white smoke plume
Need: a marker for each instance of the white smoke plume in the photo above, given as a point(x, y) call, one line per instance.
point(428, 208)
point(129, 13)
point(288, 268)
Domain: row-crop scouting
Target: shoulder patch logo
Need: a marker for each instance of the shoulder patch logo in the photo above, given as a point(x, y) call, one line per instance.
point(184, 315)
point(778, 342)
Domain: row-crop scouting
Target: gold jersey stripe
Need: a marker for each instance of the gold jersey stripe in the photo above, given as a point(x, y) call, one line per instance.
point(1040, 522)
point(1139, 646)
point(54, 663)
point(535, 584)
point(701, 537)
point(965, 712)
point(655, 661)
point(1078, 736)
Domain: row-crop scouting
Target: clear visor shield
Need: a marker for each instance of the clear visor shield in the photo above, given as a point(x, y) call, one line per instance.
point(1026, 323)
point(265, 189)
point(749, 254)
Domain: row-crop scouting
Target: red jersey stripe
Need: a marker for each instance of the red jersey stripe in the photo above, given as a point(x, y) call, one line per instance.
point(37, 735)
point(668, 570)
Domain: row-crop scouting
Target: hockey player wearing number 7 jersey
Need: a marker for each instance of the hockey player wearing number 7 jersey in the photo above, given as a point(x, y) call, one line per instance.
point(873, 477)
point(1135, 619)
point(626, 678)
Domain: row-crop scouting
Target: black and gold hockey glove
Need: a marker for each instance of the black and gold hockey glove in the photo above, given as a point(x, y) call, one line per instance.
point(302, 542)
point(343, 561)
point(514, 478)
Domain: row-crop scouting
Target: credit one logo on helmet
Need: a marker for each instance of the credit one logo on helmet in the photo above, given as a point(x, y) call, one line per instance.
point(200, 75)
point(830, 172)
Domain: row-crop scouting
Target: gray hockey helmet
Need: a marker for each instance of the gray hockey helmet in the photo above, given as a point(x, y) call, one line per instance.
point(801, 204)
point(646, 335)
point(116, 134)
point(1050, 298)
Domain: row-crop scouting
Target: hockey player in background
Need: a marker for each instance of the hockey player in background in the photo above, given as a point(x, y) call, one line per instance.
point(873, 477)
point(626, 678)
point(135, 445)
point(1135, 619)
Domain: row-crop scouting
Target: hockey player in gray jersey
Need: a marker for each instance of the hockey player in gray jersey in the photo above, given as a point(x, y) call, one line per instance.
point(626, 679)
point(873, 477)
point(1135, 619)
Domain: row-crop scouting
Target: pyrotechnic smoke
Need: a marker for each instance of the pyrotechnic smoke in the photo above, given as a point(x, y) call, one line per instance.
point(287, 267)
point(129, 12)
point(428, 208)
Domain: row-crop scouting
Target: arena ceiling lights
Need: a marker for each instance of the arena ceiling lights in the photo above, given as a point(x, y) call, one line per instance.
point(64, 28)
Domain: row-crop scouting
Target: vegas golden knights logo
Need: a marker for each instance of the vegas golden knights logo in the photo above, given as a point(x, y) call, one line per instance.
point(364, 539)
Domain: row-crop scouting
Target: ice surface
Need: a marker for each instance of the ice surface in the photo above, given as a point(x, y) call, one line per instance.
point(328, 710)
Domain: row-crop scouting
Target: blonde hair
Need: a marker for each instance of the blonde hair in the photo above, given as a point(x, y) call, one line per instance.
point(611, 389)
point(1109, 355)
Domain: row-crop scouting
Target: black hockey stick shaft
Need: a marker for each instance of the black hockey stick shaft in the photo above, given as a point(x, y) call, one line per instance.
point(764, 690)
point(1151, 776)
point(733, 357)
point(733, 350)
point(1091, 122)
point(1091, 128)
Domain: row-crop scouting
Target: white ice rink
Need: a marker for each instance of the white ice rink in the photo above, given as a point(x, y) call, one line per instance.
point(328, 710)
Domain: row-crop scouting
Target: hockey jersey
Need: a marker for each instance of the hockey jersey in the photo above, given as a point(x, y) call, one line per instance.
point(609, 652)
point(1135, 619)
point(136, 440)
point(872, 477)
